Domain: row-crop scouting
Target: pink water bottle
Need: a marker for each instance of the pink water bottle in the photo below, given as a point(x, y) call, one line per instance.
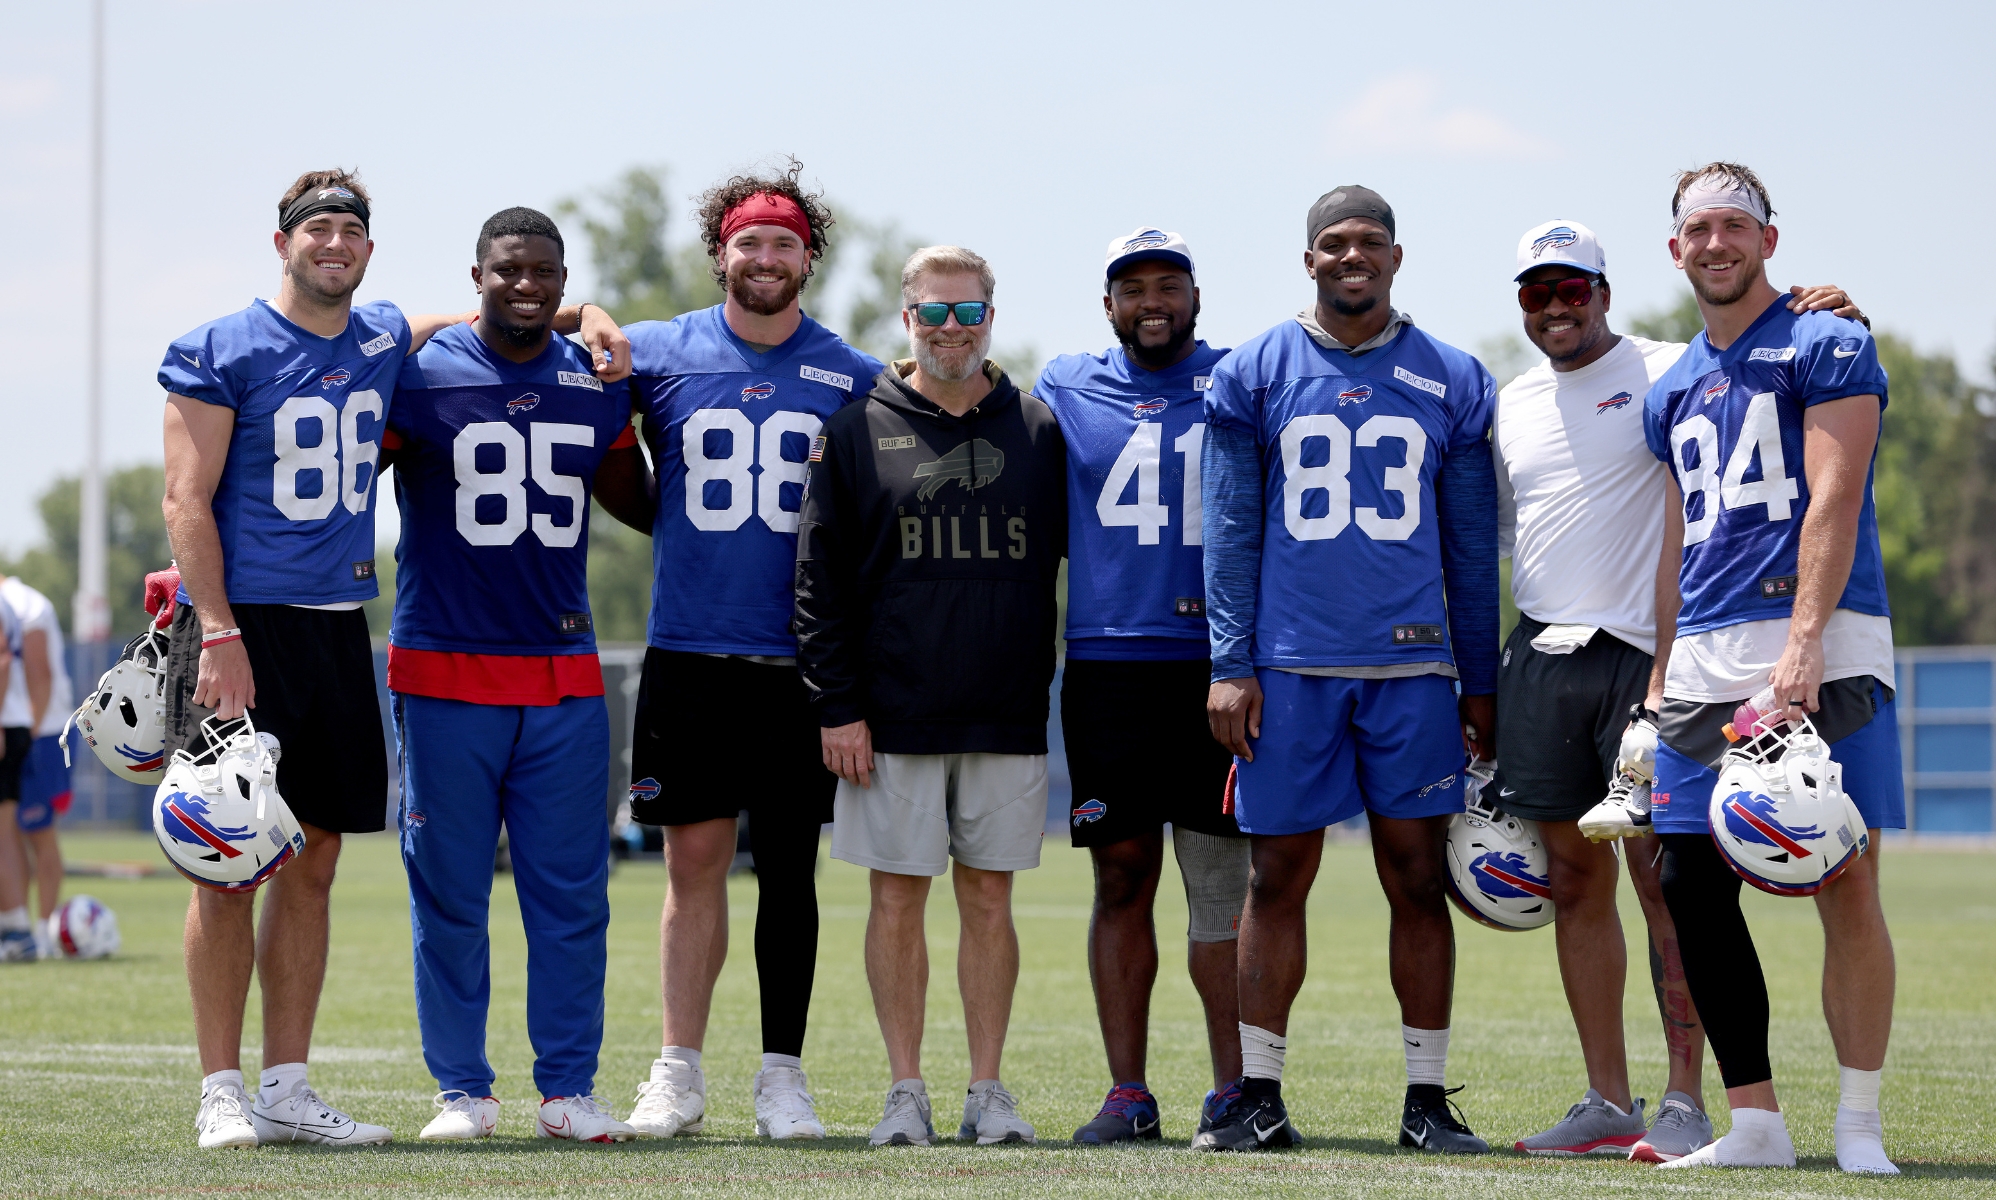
point(1756, 716)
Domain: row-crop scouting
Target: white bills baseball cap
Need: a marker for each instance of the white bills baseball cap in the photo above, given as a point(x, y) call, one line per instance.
point(1560, 244)
point(1140, 245)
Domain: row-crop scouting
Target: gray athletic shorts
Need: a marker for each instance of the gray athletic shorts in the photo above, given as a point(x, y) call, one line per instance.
point(985, 810)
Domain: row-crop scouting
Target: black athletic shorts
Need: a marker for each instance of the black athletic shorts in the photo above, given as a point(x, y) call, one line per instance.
point(1139, 751)
point(315, 691)
point(1560, 719)
point(18, 745)
point(713, 736)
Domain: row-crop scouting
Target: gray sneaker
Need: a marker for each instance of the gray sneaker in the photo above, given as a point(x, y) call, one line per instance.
point(1680, 1128)
point(905, 1122)
point(991, 1115)
point(1592, 1126)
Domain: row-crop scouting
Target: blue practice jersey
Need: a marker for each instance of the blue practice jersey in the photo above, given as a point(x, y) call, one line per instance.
point(1729, 425)
point(496, 463)
point(1135, 571)
point(1351, 445)
point(293, 509)
point(730, 432)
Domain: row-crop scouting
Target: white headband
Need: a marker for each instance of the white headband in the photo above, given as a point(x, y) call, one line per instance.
point(1717, 191)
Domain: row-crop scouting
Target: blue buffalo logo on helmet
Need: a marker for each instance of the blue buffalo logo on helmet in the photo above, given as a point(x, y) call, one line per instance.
point(1149, 239)
point(1559, 237)
point(1717, 390)
point(335, 377)
point(645, 789)
point(1618, 400)
point(758, 391)
point(1149, 408)
point(520, 404)
point(1090, 810)
point(1358, 393)
point(1751, 817)
point(142, 760)
point(1508, 876)
point(185, 819)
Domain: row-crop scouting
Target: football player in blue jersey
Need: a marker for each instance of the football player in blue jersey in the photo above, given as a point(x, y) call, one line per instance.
point(499, 438)
point(731, 398)
point(1347, 485)
point(273, 435)
point(1133, 711)
point(1771, 577)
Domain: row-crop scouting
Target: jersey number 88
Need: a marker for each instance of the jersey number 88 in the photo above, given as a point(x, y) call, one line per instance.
point(747, 491)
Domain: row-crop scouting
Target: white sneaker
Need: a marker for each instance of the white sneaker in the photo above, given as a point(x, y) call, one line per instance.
point(1625, 812)
point(1861, 1143)
point(783, 1107)
point(672, 1103)
point(991, 1115)
point(224, 1119)
point(303, 1117)
point(464, 1117)
point(581, 1119)
point(1763, 1144)
point(905, 1119)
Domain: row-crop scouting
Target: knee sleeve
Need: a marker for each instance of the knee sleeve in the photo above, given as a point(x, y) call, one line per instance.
point(786, 927)
point(1216, 882)
point(1720, 962)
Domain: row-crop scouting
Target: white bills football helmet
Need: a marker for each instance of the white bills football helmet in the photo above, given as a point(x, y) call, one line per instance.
point(1780, 816)
point(218, 815)
point(124, 720)
point(1498, 870)
point(83, 928)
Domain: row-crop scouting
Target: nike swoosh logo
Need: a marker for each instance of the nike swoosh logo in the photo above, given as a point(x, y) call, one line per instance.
point(1412, 1042)
point(1262, 1135)
point(195, 362)
point(560, 1130)
point(1420, 1136)
point(1141, 1127)
point(1506, 792)
point(1833, 354)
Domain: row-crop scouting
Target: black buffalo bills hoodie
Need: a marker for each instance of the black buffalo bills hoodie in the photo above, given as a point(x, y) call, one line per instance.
point(926, 555)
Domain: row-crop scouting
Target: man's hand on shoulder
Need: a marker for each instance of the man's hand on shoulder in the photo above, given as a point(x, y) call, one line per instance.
point(1826, 295)
point(1233, 710)
point(848, 751)
point(609, 349)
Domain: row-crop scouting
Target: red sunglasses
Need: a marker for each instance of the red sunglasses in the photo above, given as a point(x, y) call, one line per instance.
point(1573, 292)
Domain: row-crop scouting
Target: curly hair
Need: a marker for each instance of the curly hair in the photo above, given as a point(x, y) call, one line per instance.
point(336, 177)
point(717, 200)
point(1731, 172)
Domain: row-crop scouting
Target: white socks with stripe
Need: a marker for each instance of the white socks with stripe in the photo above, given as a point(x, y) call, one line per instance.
point(1427, 1055)
point(1860, 1129)
point(1262, 1052)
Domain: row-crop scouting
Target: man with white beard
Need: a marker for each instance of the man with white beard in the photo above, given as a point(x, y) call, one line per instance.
point(933, 524)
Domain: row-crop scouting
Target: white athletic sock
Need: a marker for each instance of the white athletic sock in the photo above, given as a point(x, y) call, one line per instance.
point(1758, 1138)
point(232, 1079)
point(1427, 1055)
point(1860, 1089)
point(280, 1081)
point(1861, 1142)
point(670, 1057)
point(781, 1060)
point(15, 918)
point(1262, 1052)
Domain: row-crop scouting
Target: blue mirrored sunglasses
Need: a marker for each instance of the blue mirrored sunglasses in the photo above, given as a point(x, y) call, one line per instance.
point(969, 312)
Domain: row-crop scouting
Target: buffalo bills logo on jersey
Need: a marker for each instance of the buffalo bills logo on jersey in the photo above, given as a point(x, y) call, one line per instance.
point(1718, 390)
point(417, 818)
point(1508, 876)
point(1557, 238)
point(520, 404)
point(1751, 817)
point(335, 377)
point(1089, 810)
point(645, 789)
point(1356, 394)
point(758, 391)
point(1149, 408)
point(1149, 239)
point(184, 818)
point(1618, 400)
point(142, 760)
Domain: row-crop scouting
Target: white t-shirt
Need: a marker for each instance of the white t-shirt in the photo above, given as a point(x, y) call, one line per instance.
point(1733, 662)
point(1579, 495)
point(32, 611)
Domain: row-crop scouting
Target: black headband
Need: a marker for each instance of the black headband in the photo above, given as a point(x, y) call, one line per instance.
point(322, 200)
point(1343, 203)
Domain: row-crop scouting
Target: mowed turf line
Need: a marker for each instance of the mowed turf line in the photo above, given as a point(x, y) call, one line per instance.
point(98, 1077)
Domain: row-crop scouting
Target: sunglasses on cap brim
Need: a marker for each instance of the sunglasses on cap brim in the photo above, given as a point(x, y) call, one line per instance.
point(969, 312)
point(1576, 292)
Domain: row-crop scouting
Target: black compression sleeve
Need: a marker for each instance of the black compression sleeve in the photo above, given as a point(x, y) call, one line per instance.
point(1720, 962)
point(786, 924)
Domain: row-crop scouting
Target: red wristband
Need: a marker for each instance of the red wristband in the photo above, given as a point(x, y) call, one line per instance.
point(221, 638)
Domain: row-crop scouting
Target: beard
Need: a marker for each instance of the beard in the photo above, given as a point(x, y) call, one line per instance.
point(1589, 338)
point(522, 336)
point(953, 366)
point(744, 293)
point(1354, 308)
point(1749, 273)
point(308, 281)
point(1161, 356)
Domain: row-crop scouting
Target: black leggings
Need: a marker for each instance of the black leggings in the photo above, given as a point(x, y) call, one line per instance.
point(786, 924)
point(1720, 963)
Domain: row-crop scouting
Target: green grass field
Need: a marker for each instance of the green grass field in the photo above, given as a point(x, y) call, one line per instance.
point(98, 1077)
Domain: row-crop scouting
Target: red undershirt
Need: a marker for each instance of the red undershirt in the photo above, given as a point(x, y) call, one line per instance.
point(510, 679)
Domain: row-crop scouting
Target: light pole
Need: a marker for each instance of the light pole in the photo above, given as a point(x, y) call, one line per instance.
point(90, 620)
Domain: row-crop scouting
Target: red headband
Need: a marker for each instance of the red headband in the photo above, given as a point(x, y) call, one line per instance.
point(765, 208)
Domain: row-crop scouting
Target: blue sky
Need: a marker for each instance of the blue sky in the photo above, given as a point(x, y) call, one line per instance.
point(1031, 132)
